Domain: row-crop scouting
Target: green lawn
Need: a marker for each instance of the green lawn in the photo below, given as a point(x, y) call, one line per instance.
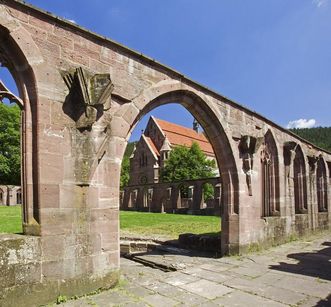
point(170, 225)
point(10, 219)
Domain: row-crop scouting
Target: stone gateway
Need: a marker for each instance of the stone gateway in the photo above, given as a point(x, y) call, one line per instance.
point(81, 95)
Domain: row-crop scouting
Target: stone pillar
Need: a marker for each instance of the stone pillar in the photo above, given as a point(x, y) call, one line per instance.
point(197, 198)
point(175, 197)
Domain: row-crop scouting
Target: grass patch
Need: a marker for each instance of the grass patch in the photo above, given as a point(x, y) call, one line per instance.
point(143, 223)
point(10, 219)
point(168, 224)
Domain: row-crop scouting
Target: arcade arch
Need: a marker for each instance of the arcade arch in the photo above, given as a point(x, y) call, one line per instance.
point(13, 57)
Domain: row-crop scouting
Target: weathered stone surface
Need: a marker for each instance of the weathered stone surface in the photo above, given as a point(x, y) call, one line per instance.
point(70, 170)
point(243, 299)
point(135, 288)
point(207, 289)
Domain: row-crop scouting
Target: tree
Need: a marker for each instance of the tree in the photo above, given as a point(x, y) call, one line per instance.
point(186, 164)
point(125, 169)
point(10, 153)
point(320, 136)
point(125, 172)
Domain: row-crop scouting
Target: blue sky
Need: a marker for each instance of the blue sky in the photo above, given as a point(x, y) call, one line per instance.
point(273, 57)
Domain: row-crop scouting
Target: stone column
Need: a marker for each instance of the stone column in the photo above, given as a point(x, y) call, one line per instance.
point(197, 198)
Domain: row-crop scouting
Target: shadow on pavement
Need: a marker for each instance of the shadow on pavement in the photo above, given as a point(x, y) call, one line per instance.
point(324, 303)
point(316, 264)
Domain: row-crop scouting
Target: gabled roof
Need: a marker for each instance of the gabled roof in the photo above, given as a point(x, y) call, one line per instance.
point(183, 136)
point(151, 146)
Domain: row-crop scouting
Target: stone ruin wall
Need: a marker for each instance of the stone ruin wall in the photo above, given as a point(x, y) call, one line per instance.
point(72, 198)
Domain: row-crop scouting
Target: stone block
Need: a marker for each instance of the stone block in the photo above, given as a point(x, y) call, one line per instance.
point(51, 168)
point(119, 127)
point(62, 41)
point(74, 57)
point(50, 197)
point(53, 247)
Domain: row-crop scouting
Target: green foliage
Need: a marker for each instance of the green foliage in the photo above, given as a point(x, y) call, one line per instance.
point(320, 136)
point(10, 154)
point(208, 191)
point(187, 163)
point(170, 225)
point(125, 170)
point(61, 299)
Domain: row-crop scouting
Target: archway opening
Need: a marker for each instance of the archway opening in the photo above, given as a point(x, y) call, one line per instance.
point(20, 82)
point(269, 177)
point(10, 153)
point(169, 196)
point(300, 182)
point(322, 186)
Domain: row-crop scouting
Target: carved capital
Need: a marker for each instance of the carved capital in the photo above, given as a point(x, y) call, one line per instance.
point(89, 96)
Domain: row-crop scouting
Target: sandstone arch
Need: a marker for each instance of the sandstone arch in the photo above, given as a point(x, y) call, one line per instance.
point(270, 176)
point(15, 54)
point(203, 111)
point(322, 185)
point(72, 168)
point(300, 181)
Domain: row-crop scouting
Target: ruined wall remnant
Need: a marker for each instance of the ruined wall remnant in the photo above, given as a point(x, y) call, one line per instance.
point(81, 95)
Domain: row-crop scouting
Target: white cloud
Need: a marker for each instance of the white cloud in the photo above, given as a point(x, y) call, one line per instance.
point(320, 3)
point(301, 123)
point(72, 20)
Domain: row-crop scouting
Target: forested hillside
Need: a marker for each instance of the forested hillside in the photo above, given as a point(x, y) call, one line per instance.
point(320, 136)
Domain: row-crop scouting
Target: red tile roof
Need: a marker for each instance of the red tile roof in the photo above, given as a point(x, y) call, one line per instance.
point(152, 145)
point(179, 135)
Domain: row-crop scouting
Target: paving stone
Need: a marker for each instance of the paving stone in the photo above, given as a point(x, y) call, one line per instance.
point(205, 282)
point(268, 278)
point(105, 299)
point(209, 275)
point(208, 304)
point(282, 295)
point(242, 299)
point(166, 289)
point(133, 304)
point(216, 267)
point(158, 300)
point(244, 284)
point(139, 291)
point(252, 271)
point(206, 288)
point(309, 287)
point(178, 279)
point(190, 299)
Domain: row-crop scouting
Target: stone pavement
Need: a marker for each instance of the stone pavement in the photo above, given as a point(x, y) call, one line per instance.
point(293, 274)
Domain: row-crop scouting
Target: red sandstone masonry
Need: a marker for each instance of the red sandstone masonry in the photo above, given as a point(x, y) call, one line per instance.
point(67, 207)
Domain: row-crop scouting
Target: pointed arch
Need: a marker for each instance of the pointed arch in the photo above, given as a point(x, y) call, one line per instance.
point(270, 176)
point(211, 124)
point(322, 185)
point(211, 121)
point(300, 181)
point(20, 55)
